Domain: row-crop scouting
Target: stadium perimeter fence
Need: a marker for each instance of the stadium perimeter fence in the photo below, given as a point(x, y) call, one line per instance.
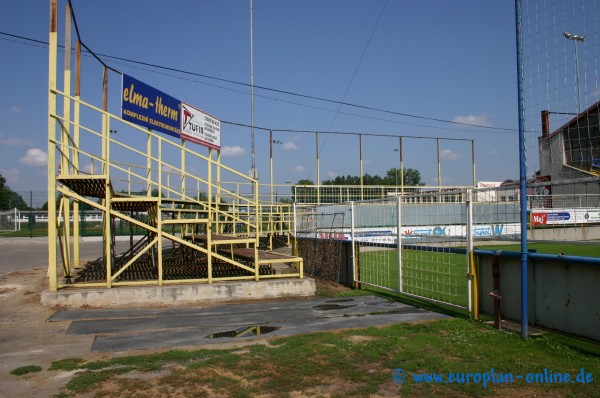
point(421, 244)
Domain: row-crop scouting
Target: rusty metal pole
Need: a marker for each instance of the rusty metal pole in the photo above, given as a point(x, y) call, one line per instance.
point(495, 293)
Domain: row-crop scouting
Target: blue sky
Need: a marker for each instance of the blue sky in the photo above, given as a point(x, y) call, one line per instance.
point(450, 60)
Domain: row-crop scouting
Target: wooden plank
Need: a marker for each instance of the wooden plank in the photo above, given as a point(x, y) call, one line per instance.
point(263, 256)
point(220, 239)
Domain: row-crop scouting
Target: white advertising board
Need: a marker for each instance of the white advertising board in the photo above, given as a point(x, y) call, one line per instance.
point(200, 127)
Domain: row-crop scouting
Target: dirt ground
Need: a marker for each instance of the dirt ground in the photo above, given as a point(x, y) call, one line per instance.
point(27, 338)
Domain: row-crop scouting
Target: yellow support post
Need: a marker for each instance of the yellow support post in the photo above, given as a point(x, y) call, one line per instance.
point(52, 57)
point(106, 171)
point(65, 136)
point(218, 196)
point(149, 163)
point(76, 112)
point(159, 216)
point(271, 189)
point(209, 224)
point(258, 228)
point(183, 169)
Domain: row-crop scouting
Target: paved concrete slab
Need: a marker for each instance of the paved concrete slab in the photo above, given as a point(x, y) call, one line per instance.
point(19, 254)
point(142, 329)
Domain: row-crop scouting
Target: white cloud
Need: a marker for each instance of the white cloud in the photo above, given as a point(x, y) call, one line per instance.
point(35, 157)
point(289, 146)
point(233, 151)
point(472, 119)
point(298, 169)
point(494, 152)
point(170, 170)
point(15, 109)
point(86, 168)
point(11, 175)
point(447, 154)
point(367, 161)
point(192, 170)
point(331, 174)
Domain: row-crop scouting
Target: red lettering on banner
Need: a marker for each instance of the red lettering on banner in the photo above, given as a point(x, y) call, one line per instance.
point(539, 218)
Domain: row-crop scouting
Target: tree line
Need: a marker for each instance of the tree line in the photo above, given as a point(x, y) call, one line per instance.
point(9, 199)
point(412, 178)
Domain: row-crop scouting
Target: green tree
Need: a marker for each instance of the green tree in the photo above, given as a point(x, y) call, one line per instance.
point(412, 177)
point(154, 193)
point(10, 199)
point(202, 197)
point(301, 193)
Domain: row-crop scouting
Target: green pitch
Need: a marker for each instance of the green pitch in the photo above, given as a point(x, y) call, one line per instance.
point(437, 276)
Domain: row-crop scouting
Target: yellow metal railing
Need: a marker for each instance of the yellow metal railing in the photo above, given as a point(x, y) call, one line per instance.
point(242, 213)
point(136, 170)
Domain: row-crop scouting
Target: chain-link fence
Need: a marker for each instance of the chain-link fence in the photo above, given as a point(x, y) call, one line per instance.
point(419, 243)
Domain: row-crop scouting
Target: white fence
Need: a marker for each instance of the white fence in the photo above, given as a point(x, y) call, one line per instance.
point(10, 220)
point(419, 244)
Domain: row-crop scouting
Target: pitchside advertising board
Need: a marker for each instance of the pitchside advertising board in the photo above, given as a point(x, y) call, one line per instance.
point(199, 127)
point(564, 216)
point(146, 106)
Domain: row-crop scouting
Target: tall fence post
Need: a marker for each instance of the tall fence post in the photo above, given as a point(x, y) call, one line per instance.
point(355, 275)
point(295, 240)
point(472, 275)
point(399, 239)
point(31, 219)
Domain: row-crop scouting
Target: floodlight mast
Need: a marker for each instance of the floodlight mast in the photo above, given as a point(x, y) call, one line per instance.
point(253, 173)
point(576, 39)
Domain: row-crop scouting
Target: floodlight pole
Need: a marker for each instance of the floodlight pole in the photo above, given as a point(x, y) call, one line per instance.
point(576, 38)
point(361, 166)
point(318, 168)
point(401, 167)
point(439, 165)
point(253, 168)
point(271, 163)
point(473, 162)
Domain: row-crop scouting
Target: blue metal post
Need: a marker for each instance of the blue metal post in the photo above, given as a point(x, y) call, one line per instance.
point(522, 174)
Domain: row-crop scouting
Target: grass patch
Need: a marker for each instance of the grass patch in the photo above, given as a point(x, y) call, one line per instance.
point(66, 364)
point(88, 380)
point(23, 370)
point(352, 363)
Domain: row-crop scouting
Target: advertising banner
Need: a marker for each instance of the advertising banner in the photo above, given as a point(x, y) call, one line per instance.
point(144, 105)
point(200, 127)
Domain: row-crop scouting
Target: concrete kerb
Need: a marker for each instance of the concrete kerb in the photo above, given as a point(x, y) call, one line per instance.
point(180, 294)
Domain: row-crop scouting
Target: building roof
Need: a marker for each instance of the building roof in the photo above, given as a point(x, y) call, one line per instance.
point(594, 109)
